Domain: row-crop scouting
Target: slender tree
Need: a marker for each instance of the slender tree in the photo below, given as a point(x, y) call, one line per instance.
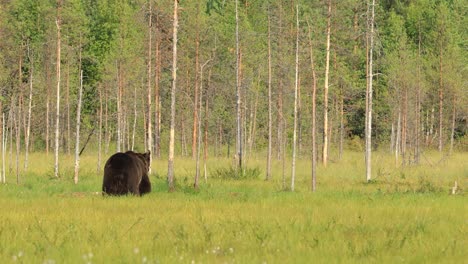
point(170, 170)
point(314, 113)
point(325, 91)
point(293, 174)
point(99, 133)
point(199, 118)
point(28, 128)
point(370, 77)
point(238, 95)
point(196, 108)
point(4, 143)
point(270, 110)
point(150, 90)
point(57, 113)
point(78, 124)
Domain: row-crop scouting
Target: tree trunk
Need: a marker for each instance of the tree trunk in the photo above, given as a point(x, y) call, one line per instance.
point(296, 85)
point(4, 143)
point(238, 96)
point(57, 113)
point(135, 114)
point(28, 128)
point(17, 121)
point(199, 118)
point(270, 110)
point(441, 99)
point(68, 107)
point(78, 123)
point(196, 107)
point(314, 113)
point(157, 100)
point(170, 171)
point(341, 126)
point(107, 132)
point(452, 133)
point(325, 91)
point(398, 137)
point(99, 133)
point(369, 113)
point(47, 116)
point(431, 128)
point(11, 118)
point(279, 116)
point(205, 148)
point(417, 152)
point(392, 136)
point(149, 123)
point(404, 122)
point(119, 105)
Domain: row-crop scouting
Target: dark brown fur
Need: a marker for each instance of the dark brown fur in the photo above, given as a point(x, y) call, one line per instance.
point(127, 172)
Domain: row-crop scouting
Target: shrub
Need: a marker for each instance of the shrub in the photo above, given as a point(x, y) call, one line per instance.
point(235, 174)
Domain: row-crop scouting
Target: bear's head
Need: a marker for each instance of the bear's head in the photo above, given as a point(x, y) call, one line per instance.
point(144, 157)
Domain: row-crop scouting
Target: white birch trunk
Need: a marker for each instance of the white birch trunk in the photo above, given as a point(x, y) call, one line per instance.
point(270, 110)
point(78, 124)
point(170, 170)
point(238, 95)
point(135, 116)
point(325, 91)
point(28, 128)
point(369, 113)
point(17, 121)
point(100, 133)
point(199, 118)
point(314, 115)
point(57, 112)
point(293, 173)
point(149, 122)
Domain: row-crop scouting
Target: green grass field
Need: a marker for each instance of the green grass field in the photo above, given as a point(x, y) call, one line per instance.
point(405, 215)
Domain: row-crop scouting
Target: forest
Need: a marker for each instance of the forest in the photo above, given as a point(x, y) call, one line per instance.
point(124, 52)
point(287, 131)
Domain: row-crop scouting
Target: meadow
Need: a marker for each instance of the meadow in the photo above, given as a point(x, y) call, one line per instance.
point(406, 214)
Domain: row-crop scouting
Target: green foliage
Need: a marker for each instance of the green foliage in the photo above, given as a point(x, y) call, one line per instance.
point(420, 49)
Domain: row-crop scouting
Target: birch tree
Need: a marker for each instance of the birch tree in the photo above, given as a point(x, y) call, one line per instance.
point(196, 108)
point(270, 110)
point(170, 170)
point(238, 95)
point(293, 174)
point(325, 91)
point(28, 128)
point(314, 113)
point(57, 112)
point(149, 92)
point(370, 77)
point(78, 124)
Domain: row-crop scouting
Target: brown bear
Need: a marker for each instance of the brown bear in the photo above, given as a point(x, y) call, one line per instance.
point(127, 172)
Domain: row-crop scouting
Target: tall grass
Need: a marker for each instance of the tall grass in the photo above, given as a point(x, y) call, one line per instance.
point(405, 215)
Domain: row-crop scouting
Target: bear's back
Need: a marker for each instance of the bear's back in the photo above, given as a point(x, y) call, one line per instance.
point(119, 161)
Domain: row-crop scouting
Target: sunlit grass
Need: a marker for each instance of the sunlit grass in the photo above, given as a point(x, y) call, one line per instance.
point(406, 214)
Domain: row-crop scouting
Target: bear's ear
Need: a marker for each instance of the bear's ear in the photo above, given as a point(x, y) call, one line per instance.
point(147, 156)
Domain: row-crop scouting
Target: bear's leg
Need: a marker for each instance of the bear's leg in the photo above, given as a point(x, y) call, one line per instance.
point(145, 185)
point(133, 187)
